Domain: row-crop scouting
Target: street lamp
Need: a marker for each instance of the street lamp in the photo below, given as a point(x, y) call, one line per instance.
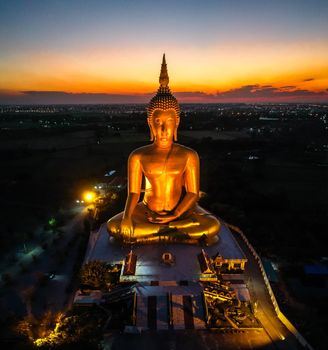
point(89, 196)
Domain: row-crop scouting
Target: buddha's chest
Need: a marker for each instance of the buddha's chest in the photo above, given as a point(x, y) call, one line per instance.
point(154, 168)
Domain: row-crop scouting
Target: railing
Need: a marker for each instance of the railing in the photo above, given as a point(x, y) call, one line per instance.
point(170, 309)
point(134, 310)
point(205, 308)
point(280, 315)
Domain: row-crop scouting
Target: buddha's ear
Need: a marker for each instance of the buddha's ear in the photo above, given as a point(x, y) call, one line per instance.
point(175, 135)
point(150, 129)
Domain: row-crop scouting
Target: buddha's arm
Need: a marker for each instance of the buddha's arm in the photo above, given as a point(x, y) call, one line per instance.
point(130, 204)
point(191, 178)
point(134, 187)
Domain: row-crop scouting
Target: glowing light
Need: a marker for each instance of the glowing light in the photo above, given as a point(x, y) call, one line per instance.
point(89, 196)
point(216, 68)
point(52, 222)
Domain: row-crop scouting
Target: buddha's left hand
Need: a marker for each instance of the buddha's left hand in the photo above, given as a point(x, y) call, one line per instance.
point(162, 219)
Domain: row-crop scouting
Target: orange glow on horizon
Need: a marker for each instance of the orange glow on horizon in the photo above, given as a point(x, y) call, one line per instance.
point(209, 70)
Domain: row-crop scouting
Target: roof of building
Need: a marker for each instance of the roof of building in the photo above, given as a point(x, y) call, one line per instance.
point(271, 273)
point(316, 269)
point(94, 297)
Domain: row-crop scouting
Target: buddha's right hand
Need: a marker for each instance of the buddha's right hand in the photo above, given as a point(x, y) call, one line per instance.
point(126, 228)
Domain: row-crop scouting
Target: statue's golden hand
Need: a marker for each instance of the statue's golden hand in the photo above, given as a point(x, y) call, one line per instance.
point(162, 219)
point(126, 227)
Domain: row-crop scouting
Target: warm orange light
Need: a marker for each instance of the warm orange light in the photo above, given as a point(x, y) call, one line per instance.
point(211, 69)
point(89, 196)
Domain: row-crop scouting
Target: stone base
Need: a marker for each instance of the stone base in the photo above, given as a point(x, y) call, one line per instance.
point(149, 265)
point(167, 277)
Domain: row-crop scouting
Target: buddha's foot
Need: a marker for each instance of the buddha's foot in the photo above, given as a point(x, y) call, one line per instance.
point(170, 235)
point(205, 240)
point(162, 239)
point(166, 234)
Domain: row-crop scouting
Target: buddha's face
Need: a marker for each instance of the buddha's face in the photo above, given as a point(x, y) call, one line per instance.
point(163, 125)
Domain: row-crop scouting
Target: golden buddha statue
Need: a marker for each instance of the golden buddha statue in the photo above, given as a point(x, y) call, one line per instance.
point(169, 209)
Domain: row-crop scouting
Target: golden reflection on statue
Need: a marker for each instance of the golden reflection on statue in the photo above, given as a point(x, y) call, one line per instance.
point(169, 209)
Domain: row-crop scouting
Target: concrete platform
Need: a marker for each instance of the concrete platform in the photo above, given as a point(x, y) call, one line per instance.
point(149, 266)
point(168, 296)
point(162, 308)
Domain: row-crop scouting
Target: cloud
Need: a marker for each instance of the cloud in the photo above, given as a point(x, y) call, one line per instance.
point(288, 87)
point(192, 94)
point(268, 92)
point(62, 97)
point(247, 93)
point(308, 79)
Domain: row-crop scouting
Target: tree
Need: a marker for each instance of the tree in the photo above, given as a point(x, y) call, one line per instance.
point(7, 278)
point(28, 295)
point(95, 274)
point(40, 331)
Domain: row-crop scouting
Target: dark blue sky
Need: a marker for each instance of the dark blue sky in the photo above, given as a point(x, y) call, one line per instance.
point(107, 46)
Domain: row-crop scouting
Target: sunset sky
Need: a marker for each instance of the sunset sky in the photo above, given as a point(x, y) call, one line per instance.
point(107, 51)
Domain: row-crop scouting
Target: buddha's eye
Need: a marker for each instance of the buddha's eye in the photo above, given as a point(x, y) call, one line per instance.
point(157, 121)
point(170, 120)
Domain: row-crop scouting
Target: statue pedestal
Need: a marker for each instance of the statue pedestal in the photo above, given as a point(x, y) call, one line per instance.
point(150, 263)
point(167, 276)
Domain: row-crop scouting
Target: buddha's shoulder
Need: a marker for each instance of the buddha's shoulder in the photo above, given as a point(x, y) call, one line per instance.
point(141, 151)
point(149, 150)
point(185, 150)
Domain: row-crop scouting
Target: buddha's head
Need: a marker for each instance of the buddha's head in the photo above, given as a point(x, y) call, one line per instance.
point(163, 112)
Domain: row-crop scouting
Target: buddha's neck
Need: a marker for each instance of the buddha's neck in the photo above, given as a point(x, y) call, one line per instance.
point(161, 148)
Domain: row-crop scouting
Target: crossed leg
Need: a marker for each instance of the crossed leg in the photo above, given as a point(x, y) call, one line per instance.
point(197, 224)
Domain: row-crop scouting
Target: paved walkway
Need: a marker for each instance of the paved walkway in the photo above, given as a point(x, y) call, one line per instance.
point(278, 333)
point(157, 306)
point(26, 295)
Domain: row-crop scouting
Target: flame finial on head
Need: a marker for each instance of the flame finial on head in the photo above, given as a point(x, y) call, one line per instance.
point(163, 100)
point(164, 77)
